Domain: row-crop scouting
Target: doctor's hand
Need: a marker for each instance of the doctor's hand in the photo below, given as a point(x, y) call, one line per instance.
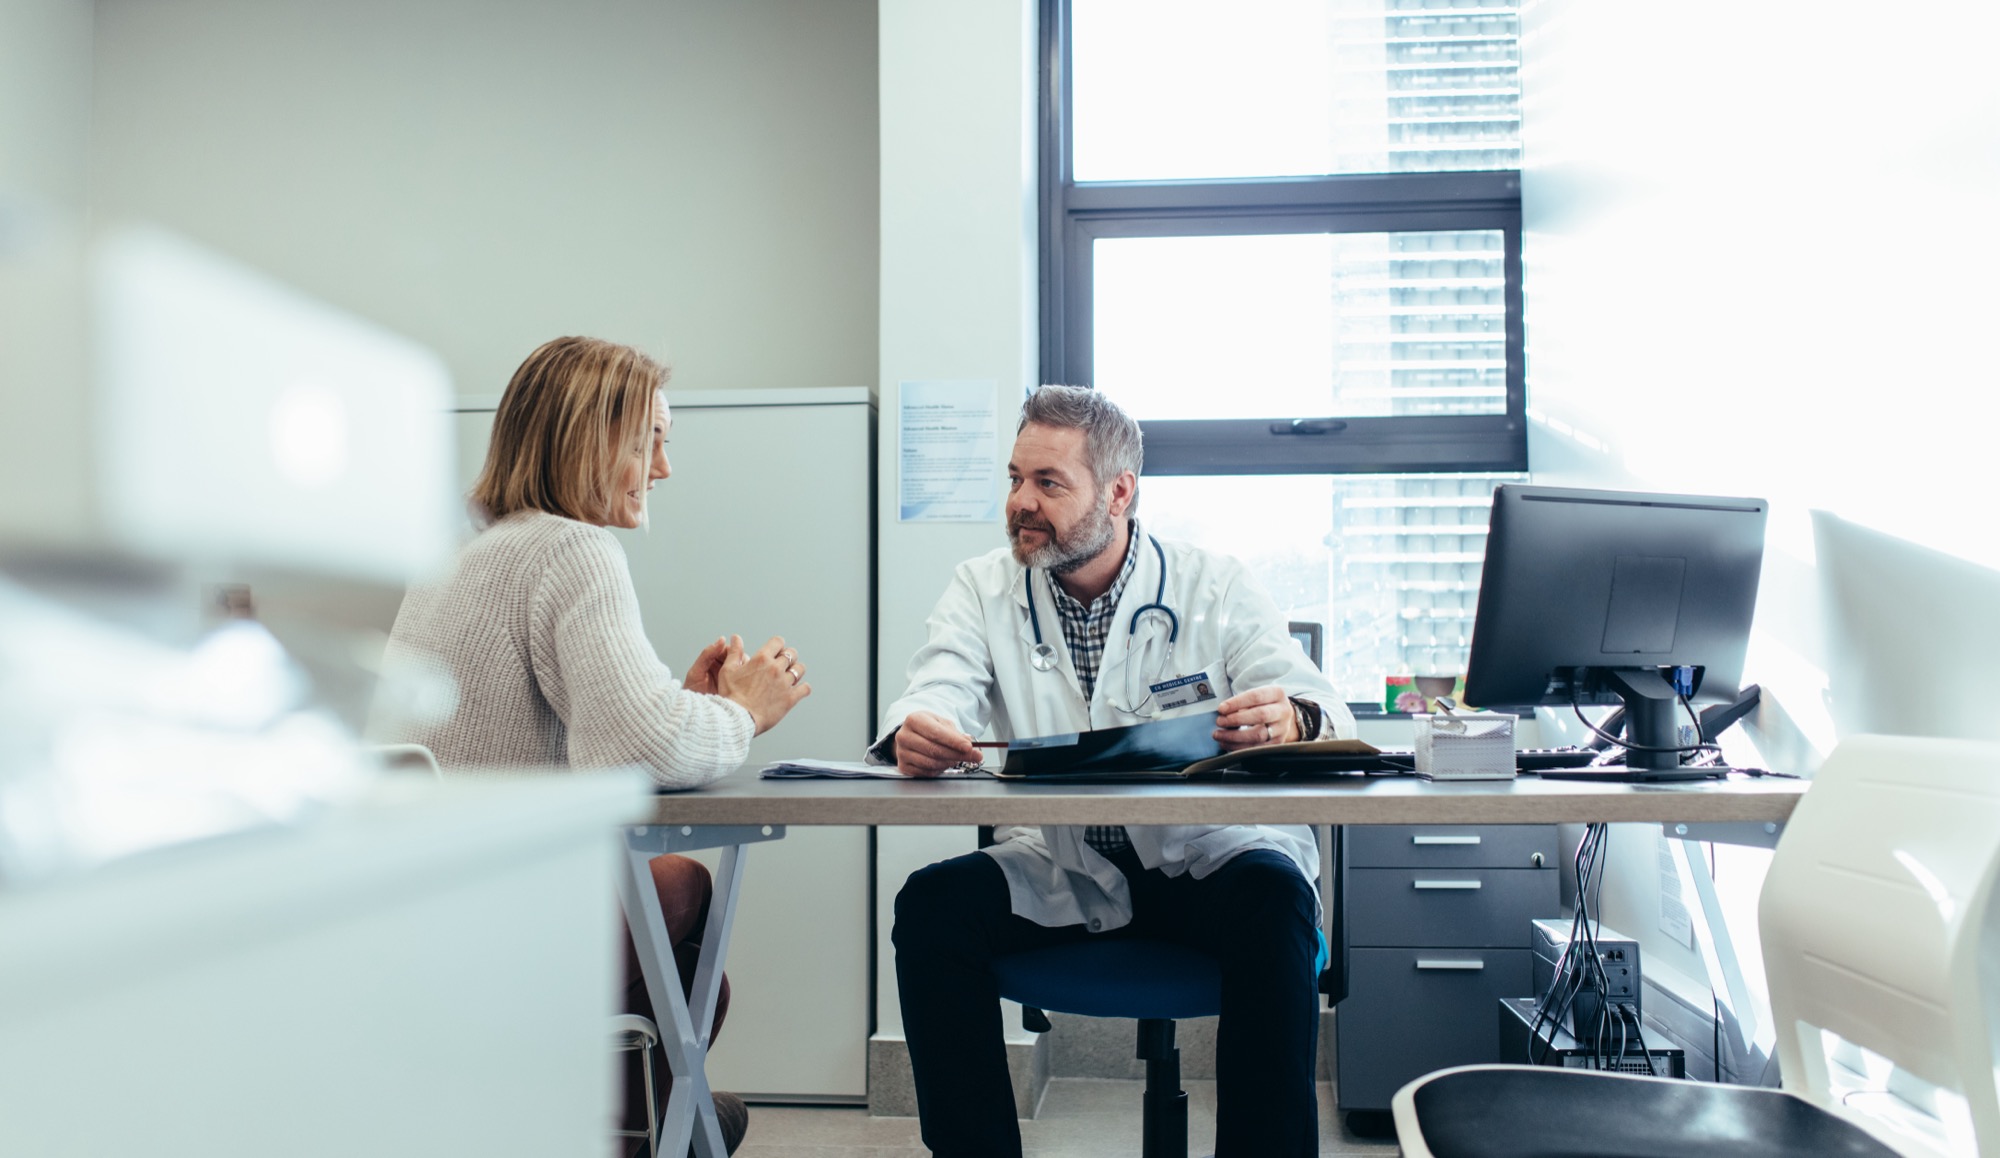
point(1258, 716)
point(768, 682)
point(927, 744)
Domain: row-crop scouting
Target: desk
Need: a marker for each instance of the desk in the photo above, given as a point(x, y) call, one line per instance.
point(742, 799)
point(741, 809)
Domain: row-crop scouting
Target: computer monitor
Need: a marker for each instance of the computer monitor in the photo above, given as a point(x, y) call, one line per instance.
point(1594, 597)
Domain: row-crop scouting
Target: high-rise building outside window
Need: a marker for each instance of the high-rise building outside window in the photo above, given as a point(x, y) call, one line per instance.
point(1285, 235)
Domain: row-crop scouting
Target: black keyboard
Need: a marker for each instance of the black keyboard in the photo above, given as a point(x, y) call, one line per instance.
point(1283, 763)
point(1527, 759)
point(1536, 759)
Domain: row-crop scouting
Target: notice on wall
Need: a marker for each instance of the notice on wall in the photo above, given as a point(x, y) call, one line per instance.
point(947, 453)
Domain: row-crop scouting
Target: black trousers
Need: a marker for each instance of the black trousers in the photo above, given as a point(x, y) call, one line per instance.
point(1255, 914)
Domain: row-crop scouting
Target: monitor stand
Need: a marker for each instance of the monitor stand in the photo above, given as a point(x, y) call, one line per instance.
point(1652, 719)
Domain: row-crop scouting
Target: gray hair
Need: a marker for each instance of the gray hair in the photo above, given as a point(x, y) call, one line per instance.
point(1112, 442)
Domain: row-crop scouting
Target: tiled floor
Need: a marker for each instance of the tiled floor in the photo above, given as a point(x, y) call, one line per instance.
point(1080, 1118)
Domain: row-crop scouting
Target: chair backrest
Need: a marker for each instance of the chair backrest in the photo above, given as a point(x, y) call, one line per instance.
point(406, 758)
point(1881, 927)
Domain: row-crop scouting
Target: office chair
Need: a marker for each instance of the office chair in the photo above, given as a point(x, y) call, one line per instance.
point(405, 758)
point(629, 1031)
point(1153, 982)
point(1881, 932)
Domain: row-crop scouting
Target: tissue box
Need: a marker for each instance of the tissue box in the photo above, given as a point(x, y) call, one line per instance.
point(1473, 746)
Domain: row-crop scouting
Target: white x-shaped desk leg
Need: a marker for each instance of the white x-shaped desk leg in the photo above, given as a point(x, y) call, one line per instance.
point(684, 1021)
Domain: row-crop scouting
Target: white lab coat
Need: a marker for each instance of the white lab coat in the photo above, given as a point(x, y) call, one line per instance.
point(975, 671)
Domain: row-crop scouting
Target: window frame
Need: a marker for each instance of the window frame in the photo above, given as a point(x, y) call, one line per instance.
point(1075, 215)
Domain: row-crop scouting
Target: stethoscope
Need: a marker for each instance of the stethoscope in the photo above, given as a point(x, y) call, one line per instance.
point(1042, 657)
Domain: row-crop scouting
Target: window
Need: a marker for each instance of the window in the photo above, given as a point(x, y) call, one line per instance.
point(1285, 235)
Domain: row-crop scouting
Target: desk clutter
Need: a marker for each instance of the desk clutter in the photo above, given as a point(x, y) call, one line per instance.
point(1465, 746)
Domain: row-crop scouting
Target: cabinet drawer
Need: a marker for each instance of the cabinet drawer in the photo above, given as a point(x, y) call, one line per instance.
point(1451, 845)
point(1411, 1011)
point(1475, 908)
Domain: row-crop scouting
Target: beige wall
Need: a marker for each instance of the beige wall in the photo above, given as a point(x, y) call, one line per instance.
point(696, 178)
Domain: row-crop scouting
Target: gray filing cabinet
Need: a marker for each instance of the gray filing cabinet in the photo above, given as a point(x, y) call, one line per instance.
point(1436, 932)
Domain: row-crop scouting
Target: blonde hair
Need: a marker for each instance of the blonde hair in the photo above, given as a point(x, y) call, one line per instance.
point(570, 410)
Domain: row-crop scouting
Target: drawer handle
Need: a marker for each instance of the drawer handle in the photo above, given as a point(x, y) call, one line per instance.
point(1444, 840)
point(1468, 966)
point(1446, 884)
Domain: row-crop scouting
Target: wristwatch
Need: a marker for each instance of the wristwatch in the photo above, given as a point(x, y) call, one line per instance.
point(1307, 716)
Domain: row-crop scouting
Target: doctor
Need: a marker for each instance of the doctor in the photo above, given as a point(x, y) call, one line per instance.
point(1088, 621)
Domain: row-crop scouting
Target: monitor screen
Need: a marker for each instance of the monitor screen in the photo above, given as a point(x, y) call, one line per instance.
point(1594, 596)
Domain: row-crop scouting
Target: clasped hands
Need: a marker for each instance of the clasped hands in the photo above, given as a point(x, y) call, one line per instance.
point(927, 744)
point(767, 682)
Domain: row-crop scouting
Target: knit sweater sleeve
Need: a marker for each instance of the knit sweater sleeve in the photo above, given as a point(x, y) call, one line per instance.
point(619, 704)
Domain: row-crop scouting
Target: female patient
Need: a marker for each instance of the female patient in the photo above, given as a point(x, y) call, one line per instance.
point(538, 622)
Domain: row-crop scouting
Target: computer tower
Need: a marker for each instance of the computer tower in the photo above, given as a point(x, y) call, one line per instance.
point(1554, 1046)
point(1619, 955)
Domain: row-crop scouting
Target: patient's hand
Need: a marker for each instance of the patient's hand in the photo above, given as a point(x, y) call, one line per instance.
point(768, 682)
point(700, 675)
point(927, 744)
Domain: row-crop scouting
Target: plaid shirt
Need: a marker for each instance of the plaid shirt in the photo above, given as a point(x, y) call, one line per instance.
point(1086, 629)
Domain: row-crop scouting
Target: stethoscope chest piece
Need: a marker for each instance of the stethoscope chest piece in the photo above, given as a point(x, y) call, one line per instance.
point(1042, 657)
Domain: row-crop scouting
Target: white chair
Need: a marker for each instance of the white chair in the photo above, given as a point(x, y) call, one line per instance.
point(406, 758)
point(1881, 933)
point(630, 1031)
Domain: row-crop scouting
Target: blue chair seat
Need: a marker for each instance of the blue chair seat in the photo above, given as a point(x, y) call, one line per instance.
point(1114, 977)
point(1155, 983)
point(1119, 977)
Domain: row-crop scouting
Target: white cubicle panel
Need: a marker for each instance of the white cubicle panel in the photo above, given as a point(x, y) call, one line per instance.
point(421, 973)
point(764, 529)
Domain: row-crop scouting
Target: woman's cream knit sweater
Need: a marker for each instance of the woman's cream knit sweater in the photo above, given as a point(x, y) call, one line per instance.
point(538, 627)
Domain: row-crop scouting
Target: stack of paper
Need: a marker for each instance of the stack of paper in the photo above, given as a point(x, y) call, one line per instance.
point(841, 770)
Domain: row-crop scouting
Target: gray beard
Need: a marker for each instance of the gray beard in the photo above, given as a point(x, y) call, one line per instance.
point(1087, 540)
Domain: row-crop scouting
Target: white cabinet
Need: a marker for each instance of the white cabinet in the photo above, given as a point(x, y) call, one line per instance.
point(766, 528)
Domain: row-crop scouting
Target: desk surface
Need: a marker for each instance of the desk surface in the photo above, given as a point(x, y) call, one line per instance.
point(743, 798)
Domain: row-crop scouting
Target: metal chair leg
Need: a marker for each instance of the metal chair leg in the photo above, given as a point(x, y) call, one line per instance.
point(631, 1031)
point(1164, 1128)
point(652, 1102)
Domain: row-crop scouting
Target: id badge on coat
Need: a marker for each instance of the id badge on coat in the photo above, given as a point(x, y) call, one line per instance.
point(1179, 693)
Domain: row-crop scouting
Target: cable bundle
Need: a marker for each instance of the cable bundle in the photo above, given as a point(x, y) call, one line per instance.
point(1580, 969)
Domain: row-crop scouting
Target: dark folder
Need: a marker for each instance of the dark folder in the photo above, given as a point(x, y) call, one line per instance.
point(1157, 749)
